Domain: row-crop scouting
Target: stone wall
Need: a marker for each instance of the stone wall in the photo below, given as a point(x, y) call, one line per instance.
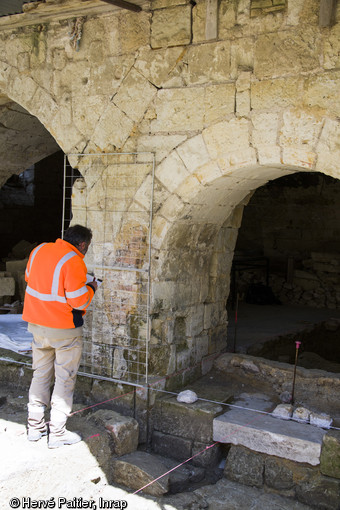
point(226, 99)
point(294, 222)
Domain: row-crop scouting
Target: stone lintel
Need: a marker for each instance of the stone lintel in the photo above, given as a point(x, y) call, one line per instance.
point(263, 433)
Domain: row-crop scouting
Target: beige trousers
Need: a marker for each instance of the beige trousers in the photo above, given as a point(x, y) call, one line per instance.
point(58, 360)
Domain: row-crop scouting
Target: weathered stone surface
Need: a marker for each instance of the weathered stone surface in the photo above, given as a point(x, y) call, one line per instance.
point(175, 110)
point(322, 92)
point(171, 27)
point(283, 411)
point(280, 53)
point(244, 466)
point(206, 455)
point(208, 63)
point(276, 93)
point(143, 93)
point(191, 421)
point(263, 433)
point(330, 454)
point(137, 469)
point(123, 430)
point(320, 492)
point(7, 286)
point(175, 447)
point(278, 473)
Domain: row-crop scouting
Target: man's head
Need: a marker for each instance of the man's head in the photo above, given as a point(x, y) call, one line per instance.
point(79, 236)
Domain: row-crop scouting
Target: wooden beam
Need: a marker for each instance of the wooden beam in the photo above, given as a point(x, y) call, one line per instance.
point(124, 5)
point(327, 13)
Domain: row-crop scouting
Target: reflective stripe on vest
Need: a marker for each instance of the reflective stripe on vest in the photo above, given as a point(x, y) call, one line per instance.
point(55, 283)
point(34, 252)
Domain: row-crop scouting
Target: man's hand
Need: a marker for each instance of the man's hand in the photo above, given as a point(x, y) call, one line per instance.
point(94, 284)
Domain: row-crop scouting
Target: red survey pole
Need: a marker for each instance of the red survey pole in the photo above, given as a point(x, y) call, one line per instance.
point(297, 343)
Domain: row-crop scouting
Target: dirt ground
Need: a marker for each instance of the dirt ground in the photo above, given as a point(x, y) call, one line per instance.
point(33, 476)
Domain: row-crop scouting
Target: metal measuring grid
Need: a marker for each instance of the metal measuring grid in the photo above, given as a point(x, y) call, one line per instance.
point(117, 200)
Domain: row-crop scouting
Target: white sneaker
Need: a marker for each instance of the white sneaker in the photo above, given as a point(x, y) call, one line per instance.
point(35, 435)
point(67, 437)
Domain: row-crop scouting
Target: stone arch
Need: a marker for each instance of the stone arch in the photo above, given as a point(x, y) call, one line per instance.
point(209, 179)
point(23, 89)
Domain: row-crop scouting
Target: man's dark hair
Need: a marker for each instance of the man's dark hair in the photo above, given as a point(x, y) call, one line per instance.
point(78, 234)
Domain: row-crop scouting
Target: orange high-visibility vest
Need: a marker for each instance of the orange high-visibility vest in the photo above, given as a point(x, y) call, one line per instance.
point(57, 295)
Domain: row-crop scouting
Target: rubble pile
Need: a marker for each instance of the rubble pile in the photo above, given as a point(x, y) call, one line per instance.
point(316, 284)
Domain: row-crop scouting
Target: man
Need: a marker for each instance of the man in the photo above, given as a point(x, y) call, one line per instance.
point(56, 300)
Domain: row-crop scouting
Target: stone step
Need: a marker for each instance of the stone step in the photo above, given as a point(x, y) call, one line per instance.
point(263, 433)
point(137, 469)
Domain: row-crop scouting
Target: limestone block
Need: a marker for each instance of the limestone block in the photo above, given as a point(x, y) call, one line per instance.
point(242, 56)
point(323, 91)
point(319, 491)
point(85, 119)
point(171, 172)
point(265, 128)
point(45, 107)
point(227, 18)
point(263, 433)
point(193, 153)
point(244, 466)
point(276, 93)
point(299, 158)
point(23, 61)
point(269, 154)
point(225, 137)
point(189, 188)
point(107, 75)
point(219, 101)
point(195, 320)
point(161, 145)
point(198, 21)
point(160, 228)
point(171, 26)
point(235, 160)
point(7, 286)
point(113, 129)
point(174, 447)
point(279, 473)
point(282, 53)
point(201, 347)
point(243, 103)
point(172, 208)
point(177, 111)
point(23, 89)
point(330, 454)
point(159, 65)
point(208, 63)
point(16, 266)
point(137, 469)
point(206, 455)
point(331, 48)
point(123, 430)
point(124, 33)
point(134, 95)
point(301, 414)
point(208, 173)
point(59, 58)
point(320, 420)
point(210, 315)
point(300, 129)
point(190, 421)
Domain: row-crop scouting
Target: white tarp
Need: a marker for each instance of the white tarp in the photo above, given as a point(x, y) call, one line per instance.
point(13, 333)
